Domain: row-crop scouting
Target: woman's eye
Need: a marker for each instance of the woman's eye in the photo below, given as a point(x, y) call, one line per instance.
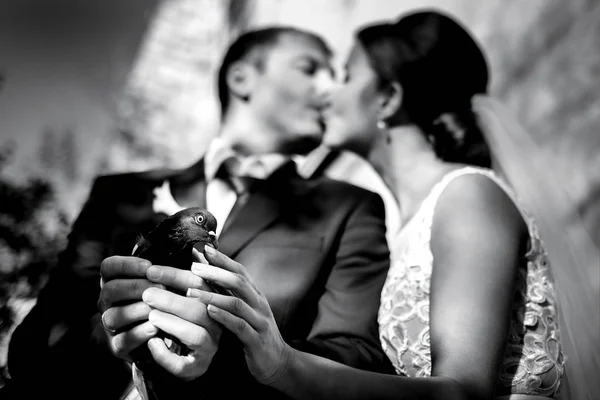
point(199, 219)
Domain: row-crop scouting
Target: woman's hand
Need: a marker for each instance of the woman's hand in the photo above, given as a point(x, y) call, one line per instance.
point(247, 314)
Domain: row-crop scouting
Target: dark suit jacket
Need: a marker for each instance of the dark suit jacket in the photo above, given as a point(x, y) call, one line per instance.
point(316, 248)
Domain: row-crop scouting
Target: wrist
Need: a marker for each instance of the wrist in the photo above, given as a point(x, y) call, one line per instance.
point(283, 379)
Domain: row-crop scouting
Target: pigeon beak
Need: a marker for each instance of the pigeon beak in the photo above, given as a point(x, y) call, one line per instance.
point(213, 240)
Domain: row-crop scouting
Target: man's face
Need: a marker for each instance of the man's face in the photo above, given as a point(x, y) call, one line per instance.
point(291, 92)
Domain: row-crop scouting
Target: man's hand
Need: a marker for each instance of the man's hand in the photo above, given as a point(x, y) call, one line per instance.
point(124, 314)
point(133, 292)
point(184, 317)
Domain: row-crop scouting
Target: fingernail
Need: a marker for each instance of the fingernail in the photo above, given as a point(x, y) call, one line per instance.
point(143, 266)
point(153, 273)
point(197, 268)
point(212, 309)
point(153, 317)
point(152, 330)
point(209, 250)
point(147, 295)
point(153, 342)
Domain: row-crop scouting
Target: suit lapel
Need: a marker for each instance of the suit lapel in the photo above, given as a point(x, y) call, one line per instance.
point(260, 210)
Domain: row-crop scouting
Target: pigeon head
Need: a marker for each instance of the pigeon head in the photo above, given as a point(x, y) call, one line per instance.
point(193, 225)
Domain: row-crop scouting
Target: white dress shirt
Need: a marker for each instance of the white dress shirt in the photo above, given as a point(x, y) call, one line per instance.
point(220, 196)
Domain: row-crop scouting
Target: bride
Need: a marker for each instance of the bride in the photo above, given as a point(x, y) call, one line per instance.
point(469, 309)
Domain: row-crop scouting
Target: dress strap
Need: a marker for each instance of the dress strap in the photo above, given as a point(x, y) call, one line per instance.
point(431, 200)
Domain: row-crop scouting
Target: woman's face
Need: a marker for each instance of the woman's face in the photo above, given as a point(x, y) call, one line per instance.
point(352, 117)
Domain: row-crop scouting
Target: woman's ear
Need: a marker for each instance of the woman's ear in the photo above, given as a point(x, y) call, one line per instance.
point(391, 100)
point(241, 78)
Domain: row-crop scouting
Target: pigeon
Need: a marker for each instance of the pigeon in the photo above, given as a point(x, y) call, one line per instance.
point(171, 243)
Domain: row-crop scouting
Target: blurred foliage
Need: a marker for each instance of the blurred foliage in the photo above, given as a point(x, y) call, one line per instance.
point(32, 233)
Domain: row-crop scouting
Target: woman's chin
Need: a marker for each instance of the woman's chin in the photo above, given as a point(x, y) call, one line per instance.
point(335, 140)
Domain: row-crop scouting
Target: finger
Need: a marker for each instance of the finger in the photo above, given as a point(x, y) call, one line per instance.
point(233, 305)
point(188, 308)
point(240, 328)
point(194, 336)
point(123, 267)
point(199, 257)
point(119, 290)
point(209, 287)
point(123, 343)
point(220, 260)
point(228, 280)
point(183, 367)
point(195, 293)
point(119, 317)
point(175, 278)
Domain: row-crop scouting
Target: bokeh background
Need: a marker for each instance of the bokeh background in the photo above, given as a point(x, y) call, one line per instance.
point(92, 87)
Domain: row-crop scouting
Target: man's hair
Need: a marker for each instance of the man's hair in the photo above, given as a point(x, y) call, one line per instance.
point(260, 39)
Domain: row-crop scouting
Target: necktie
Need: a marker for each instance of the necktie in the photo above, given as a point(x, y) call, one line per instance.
point(228, 192)
point(230, 173)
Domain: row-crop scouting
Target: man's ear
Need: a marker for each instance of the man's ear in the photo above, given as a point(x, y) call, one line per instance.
point(241, 79)
point(391, 100)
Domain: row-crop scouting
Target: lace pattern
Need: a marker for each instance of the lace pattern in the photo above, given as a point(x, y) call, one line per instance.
point(533, 361)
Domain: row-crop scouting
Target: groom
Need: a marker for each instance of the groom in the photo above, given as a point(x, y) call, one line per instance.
point(315, 247)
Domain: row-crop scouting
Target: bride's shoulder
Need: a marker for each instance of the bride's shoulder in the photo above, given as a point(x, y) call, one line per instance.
point(475, 194)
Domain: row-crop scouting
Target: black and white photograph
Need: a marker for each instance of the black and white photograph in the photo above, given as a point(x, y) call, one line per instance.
point(300, 199)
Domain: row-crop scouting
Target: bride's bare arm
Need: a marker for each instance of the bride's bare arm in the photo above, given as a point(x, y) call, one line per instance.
point(478, 239)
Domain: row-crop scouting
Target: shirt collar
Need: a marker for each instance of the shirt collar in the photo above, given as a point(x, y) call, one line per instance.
point(259, 166)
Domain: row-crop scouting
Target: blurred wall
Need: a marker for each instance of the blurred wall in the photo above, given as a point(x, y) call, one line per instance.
point(65, 62)
point(168, 110)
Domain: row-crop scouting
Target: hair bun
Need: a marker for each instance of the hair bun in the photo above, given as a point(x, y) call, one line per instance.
point(456, 137)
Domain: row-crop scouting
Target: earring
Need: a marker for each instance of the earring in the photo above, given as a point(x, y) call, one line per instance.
point(382, 126)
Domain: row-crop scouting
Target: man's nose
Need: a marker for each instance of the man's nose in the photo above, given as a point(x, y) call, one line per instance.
point(324, 83)
point(324, 89)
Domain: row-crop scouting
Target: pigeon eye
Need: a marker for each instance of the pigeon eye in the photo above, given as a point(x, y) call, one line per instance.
point(199, 219)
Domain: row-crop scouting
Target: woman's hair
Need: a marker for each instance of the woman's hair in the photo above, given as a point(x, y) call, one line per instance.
point(440, 68)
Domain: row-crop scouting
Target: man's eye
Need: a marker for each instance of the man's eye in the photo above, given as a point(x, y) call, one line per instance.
point(308, 69)
point(346, 77)
point(200, 219)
